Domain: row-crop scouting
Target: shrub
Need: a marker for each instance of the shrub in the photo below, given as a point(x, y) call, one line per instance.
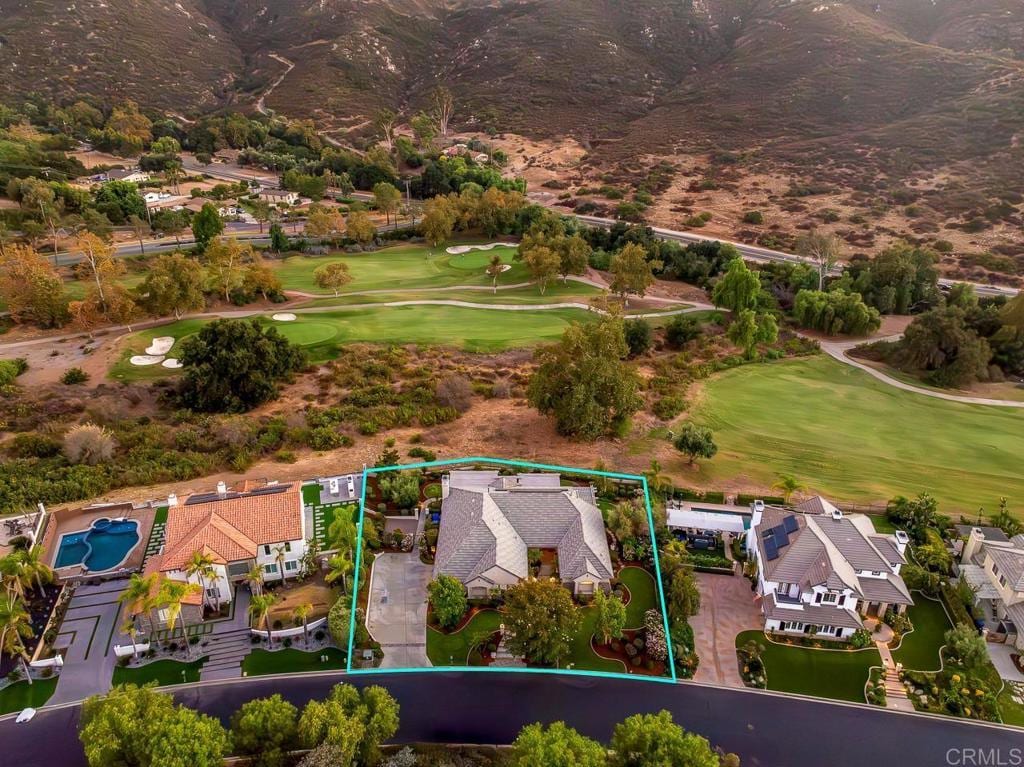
point(422, 453)
point(754, 217)
point(11, 369)
point(669, 407)
point(860, 638)
point(74, 376)
point(89, 444)
point(638, 336)
point(33, 445)
point(325, 438)
point(681, 330)
point(455, 391)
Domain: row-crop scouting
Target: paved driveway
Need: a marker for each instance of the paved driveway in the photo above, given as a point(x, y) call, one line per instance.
point(727, 607)
point(397, 610)
point(86, 637)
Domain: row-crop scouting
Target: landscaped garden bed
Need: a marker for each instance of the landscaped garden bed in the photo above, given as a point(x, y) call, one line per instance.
point(290, 660)
point(163, 672)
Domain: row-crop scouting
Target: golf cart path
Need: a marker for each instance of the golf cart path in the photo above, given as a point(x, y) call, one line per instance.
point(837, 350)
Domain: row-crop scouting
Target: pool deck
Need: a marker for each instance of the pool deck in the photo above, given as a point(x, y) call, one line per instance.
point(76, 520)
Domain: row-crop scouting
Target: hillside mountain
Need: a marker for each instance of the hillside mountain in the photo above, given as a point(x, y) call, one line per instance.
point(872, 82)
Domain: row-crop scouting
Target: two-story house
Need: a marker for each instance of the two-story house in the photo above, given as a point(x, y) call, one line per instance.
point(820, 571)
point(253, 527)
point(993, 566)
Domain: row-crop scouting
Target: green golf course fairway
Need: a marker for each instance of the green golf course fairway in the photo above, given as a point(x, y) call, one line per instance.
point(848, 436)
point(402, 267)
point(321, 334)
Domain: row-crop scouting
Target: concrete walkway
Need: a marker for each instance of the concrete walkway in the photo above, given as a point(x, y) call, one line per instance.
point(895, 693)
point(727, 607)
point(1000, 655)
point(397, 609)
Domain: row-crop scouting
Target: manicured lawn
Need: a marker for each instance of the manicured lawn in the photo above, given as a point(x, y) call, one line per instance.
point(453, 649)
point(844, 434)
point(311, 494)
point(642, 594)
point(322, 334)
point(285, 661)
point(583, 656)
point(822, 673)
point(163, 672)
point(920, 648)
point(323, 518)
point(21, 695)
point(400, 267)
point(555, 293)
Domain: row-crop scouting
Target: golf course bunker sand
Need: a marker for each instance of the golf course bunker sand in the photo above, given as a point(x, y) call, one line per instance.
point(171, 363)
point(160, 346)
point(146, 359)
point(456, 250)
point(284, 317)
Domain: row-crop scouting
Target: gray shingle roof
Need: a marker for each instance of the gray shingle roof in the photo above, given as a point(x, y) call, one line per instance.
point(889, 589)
point(491, 520)
point(822, 615)
point(1011, 564)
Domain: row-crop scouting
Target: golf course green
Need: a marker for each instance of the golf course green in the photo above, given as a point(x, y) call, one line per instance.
point(846, 435)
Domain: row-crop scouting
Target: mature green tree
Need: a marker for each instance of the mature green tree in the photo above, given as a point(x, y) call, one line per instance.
point(206, 225)
point(898, 280)
point(278, 239)
point(749, 329)
point(574, 254)
point(696, 442)
point(638, 336)
point(447, 599)
point(439, 217)
point(738, 289)
point(543, 264)
point(386, 197)
point(632, 272)
point(543, 621)
point(359, 227)
point(556, 745)
point(333, 276)
point(173, 284)
point(823, 249)
point(232, 366)
point(611, 616)
point(355, 722)
point(654, 740)
point(425, 129)
point(119, 200)
point(584, 382)
point(170, 223)
point(32, 288)
point(1005, 521)
point(835, 312)
point(681, 329)
point(941, 343)
point(139, 727)
point(915, 516)
point(265, 729)
point(966, 646)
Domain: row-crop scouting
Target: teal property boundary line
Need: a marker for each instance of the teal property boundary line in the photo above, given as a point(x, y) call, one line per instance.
point(485, 669)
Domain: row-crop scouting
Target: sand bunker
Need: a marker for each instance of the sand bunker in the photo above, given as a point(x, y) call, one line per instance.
point(457, 249)
point(171, 362)
point(146, 359)
point(160, 346)
point(284, 317)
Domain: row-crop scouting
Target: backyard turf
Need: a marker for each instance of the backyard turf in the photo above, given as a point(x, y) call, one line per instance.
point(453, 649)
point(163, 672)
point(846, 435)
point(642, 594)
point(260, 662)
point(835, 674)
point(920, 648)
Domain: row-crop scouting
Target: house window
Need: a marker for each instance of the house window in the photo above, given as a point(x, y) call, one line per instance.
point(162, 615)
point(291, 566)
point(266, 549)
point(995, 569)
point(270, 569)
point(287, 545)
point(1002, 580)
point(839, 631)
point(212, 593)
point(830, 599)
point(817, 599)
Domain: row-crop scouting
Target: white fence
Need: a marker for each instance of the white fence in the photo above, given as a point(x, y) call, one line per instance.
point(297, 631)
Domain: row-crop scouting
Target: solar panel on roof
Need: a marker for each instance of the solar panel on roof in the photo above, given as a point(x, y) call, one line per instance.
point(781, 538)
point(790, 524)
point(771, 551)
point(272, 490)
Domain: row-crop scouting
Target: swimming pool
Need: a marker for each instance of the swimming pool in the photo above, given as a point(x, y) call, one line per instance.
point(104, 546)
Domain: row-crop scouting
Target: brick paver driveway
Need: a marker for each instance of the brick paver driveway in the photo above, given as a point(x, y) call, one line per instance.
point(727, 607)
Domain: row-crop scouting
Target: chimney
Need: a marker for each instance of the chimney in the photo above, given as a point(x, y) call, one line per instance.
point(172, 500)
point(974, 541)
point(902, 539)
point(837, 514)
point(222, 489)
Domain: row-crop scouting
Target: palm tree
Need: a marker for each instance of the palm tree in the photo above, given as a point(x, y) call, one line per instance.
point(255, 580)
point(129, 628)
point(787, 484)
point(494, 268)
point(259, 611)
point(36, 572)
point(200, 565)
point(658, 482)
point(338, 568)
point(12, 572)
point(138, 597)
point(301, 613)
point(15, 625)
point(279, 552)
point(172, 595)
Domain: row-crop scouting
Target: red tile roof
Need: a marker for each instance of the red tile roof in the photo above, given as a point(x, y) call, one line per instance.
point(231, 529)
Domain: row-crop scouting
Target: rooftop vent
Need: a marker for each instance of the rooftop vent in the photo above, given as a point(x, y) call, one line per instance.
point(222, 489)
point(837, 514)
point(758, 505)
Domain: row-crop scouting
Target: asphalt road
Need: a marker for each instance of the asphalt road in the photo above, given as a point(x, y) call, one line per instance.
point(765, 729)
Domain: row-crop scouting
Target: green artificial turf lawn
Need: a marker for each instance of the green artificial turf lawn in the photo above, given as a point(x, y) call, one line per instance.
point(642, 595)
point(453, 649)
point(846, 435)
point(21, 695)
point(476, 330)
point(401, 267)
point(260, 662)
point(919, 650)
point(163, 672)
point(582, 657)
point(834, 674)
